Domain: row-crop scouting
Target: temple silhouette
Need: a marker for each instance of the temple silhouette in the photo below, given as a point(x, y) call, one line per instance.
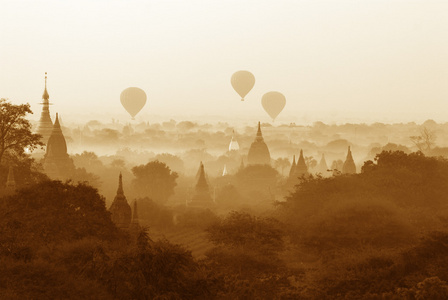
point(201, 195)
point(349, 166)
point(259, 151)
point(57, 163)
point(120, 210)
point(45, 126)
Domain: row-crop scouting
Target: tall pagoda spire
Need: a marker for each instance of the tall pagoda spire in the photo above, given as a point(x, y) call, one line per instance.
point(259, 136)
point(301, 168)
point(322, 168)
point(201, 196)
point(292, 171)
point(57, 163)
point(349, 166)
point(120, 210)
point(258, 151)
point(45, 95)
point(120, 185)
point(45, 124)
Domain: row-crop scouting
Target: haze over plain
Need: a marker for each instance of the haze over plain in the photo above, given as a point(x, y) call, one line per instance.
point(335, 61)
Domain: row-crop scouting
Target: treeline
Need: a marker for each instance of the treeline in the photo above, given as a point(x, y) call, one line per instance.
point(381, 234)
point(58, 242)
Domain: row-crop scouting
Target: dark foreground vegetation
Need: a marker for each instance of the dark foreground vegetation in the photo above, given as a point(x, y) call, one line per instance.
point(380, 234)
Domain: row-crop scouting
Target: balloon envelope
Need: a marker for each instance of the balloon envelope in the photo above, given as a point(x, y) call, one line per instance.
point(273, 103)
point(133, 99)
point(242, 82)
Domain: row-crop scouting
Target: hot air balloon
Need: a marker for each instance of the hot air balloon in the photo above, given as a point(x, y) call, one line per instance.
point(273, 103)
point(242, 82)
point(133, 99)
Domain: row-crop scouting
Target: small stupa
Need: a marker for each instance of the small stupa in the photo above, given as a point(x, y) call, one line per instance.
point(301, 167)
point(201, 195)
point(259, 151)
point(120, 210)
point(349, 166)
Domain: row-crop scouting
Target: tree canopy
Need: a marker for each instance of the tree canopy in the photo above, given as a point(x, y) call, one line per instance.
point(154, 180)
point(15, 130)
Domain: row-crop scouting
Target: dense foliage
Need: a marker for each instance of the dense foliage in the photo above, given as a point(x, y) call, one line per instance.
point(381, 234)
point(15, 130)
point(154, 180)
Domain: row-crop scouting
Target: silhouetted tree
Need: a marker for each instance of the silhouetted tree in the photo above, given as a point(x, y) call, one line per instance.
point(282, 163)
point(425, 141)
point(174, 162)
point(15, 130)
point(52, 212)
point(154, 180)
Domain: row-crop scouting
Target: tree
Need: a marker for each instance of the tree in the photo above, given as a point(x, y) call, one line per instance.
point(241, 229)
point(154, 180)
point(425, 141)
point(310, 162)
point(52, 212)
point(15, 130)
point(282, 163)
point(174, 162)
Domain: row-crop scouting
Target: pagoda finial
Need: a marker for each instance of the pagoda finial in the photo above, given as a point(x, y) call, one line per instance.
point(45, 95)
point(56, 122)
point(120, 185)
point(259, 134)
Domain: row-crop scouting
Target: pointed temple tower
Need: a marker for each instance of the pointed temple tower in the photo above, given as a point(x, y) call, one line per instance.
point(258, 151)
point(224, 172)
point(322, 168)
point(10, 181)
point(234, 146)
point(301, 168)
point(349, 165)
point(292, 171)
point(202, 194)
point(45, 124)
point(120, 209)
point(57, 163)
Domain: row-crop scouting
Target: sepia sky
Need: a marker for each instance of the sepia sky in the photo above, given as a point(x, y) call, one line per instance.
point(335, 61)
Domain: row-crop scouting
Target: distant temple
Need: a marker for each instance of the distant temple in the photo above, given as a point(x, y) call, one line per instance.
point(322, 168)
point(258, 151)
point(201, 195)
point(349, 165)
point(292, 171)
point(224, 172)
point(301, 167)
point(120, 210)
point(57, 163)
point(234, 146)
point(45, 124)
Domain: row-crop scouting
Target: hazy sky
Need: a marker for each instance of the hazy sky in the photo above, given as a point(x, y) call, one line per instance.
point(333, 60)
